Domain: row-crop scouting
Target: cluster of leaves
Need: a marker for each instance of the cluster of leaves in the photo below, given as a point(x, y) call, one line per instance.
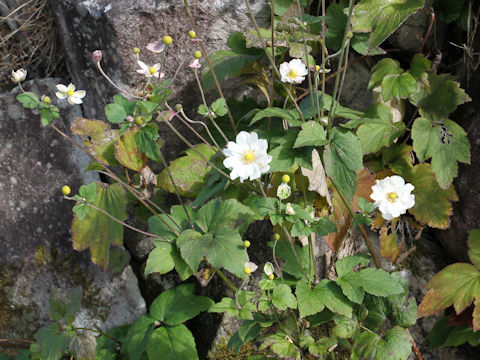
point(458, 285)
point(354, 307)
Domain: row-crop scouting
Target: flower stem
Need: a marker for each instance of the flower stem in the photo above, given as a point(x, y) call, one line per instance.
point(226, 280)
point(99, 332)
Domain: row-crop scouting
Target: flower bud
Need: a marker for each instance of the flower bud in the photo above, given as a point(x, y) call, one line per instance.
point(129, 118)
point(285, 178)
point(268, 269)
point(97, 56)
point(192, 34)
point(136, 50)
point(139, 120)
point(276, 236)
point(66, 190)
point(46, 99)
point(289, 209)
point(197, 54)
point(271, 277)
point(284, 191)
point(167, 40)
point(19, 75)
point(246, 244)
point(178, 107)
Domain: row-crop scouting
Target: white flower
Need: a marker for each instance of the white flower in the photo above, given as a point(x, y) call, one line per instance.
point(247, 157)
point(284, 191)
point(149, 71)
point(19, 75)
point(250, 267)
point(156, 47)
point(68, 92)
point(392, 196)
point(268, 268)
point(293, 72)
point(289, 209)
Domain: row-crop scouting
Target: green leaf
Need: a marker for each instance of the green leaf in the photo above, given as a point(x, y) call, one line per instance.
point(219, 107)
point(227, 305)
point(52, 342)
point(381, 18)
point(378, 130)
point(395, 345)
point(289, 115)
point(189, 173)
point(449, 11)
point(281, 6)
point(96, 230)
point(66, 308)
point(374, 281)
point(442, 98)
point(168, 225)
point(284, 251)
point(419, 66)
point(146, 139)
point(115, 113)
point(147, 107)
point(399, 158)
point(342, 157)
point(29, 100)
point(348, 263)
point(432, 204)
point(474, 247)
point(309, 108)
point(335, 21)
point(458, 285)
point(127, 153)
point(138, 337)
point(127, 105)
point(48, 113)
point(333, 298)
point(160, 260)
point(227, 251)
point(383, 68)
point(175, 343)
point(175, 306)
point(344, 327)
point(445, 143)
point(312, 134)
point(398, 86)
point(309, 302)
point(193, 246)
point(282, 297)
point(217, 213)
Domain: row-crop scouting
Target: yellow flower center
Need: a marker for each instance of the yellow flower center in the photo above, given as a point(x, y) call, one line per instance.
point(247, 271)
point(248, 157)
point(292, 74)
point(392, 196)
point(70, 92)
point(152, 70)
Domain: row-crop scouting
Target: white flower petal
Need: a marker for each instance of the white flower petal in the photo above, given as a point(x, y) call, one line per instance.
point(71, 87)
point(61, 95)
point(79, 94)
point(74, 100)
point(62, 88)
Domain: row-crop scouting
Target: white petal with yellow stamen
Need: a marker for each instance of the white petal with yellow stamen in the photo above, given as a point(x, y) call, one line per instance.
point(293, 72)
point(393, 196)
point(247, 157)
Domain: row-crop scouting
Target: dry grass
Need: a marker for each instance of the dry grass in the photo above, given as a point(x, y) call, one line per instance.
point(27, 39)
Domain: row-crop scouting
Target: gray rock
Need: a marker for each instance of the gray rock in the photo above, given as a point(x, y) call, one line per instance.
point(37, 257)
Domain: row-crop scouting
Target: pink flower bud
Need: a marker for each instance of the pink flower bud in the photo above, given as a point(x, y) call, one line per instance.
point(97, 55)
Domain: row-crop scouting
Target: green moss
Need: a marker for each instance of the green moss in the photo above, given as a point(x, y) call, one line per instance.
point(42, 257)
point(221, 352)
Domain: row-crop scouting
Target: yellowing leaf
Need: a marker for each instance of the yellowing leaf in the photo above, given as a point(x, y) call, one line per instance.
point(388, 241)
point(317, 180)
point(458, 285)
point(433, 205)
point(98, 138)
point(126, 151)
point(474, 247)
point(96, 230)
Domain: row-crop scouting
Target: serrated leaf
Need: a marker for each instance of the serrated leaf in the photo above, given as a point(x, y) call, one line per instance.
point(48, 113)
point(309, 301)
point(175, 343)
point(445, 143)
point(189, 173)
point(97, 231)
point(282, 297)
point(222, 213)
point(160, 260)
point(395, 345)
point(335, 21)
point(381, 18)
point(458, 285)
point(442, 97)
point(448, 11)
point(175, 306)
point(342, 157)
point(284, 156)
point(373, 281)
point(378, 130)
point(52, 342)
point(289, 115)
point(344, 327)
point(399, 158)
point(432, 204)
point(419, 66)
point(333, 298)
point(219, 107)
point(312, 134)
point(383, 68)
point(29, 100)
point(398, 86)
point(227, 305)
point(138, 337)
point(348, 263)
point(284, 251)
point(97, 137)
point(146, 140)
point(127, 153)
point(474, 247)
point(169, 226)
point(115, 113)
